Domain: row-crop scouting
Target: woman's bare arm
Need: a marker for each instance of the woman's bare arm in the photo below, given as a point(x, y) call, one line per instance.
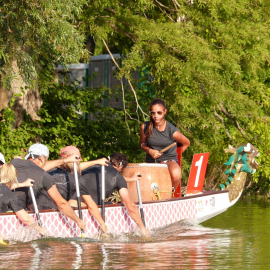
point(50, 164)
point(28, 183)
point(183, 140)
point(86, 164)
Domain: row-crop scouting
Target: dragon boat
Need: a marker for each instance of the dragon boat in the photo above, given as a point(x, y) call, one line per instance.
point(159, 211)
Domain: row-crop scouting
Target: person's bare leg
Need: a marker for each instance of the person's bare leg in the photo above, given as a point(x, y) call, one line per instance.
point(175, 172)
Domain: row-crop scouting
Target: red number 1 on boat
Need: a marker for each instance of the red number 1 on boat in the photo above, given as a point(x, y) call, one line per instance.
point(197, 173)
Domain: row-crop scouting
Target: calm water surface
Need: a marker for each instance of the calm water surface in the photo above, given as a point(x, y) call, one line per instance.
point(236, 239)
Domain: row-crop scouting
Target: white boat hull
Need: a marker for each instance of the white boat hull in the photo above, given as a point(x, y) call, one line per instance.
point(197, 208)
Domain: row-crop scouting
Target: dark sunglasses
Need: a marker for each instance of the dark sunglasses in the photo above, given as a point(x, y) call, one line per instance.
point(153, 113)
point(109, 158)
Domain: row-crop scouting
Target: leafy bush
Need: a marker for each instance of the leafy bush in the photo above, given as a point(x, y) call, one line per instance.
point(63, 123)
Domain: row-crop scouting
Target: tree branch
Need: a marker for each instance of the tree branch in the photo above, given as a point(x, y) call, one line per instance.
point(135, 95)
point(264, 95)
point(111, 10)
point(222, 121)
point(202, 88)
point(233, 119)
point(176, 3)
point(164, 12)
point(122, 31)
point(169, 9)
point(124, 105)
point(168, 48)
point(173, 4)
point(249, 116)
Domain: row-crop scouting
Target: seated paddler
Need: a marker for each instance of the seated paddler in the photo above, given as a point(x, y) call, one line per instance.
point(32, 168)
point(120, 161)
point(158, 134)
point(113, 180)
point(64, 179)
point(9, 201)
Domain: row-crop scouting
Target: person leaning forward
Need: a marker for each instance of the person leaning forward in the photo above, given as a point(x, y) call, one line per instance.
point(33, 168)
point(119, 161)
point(64, 179)
point(113, 179)
point(8, 200)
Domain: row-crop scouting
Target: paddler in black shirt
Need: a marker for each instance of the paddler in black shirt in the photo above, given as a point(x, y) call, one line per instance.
point(113, 179)
point(8, 200)
point(64, 179)
point(33, 168)
point(119, 161)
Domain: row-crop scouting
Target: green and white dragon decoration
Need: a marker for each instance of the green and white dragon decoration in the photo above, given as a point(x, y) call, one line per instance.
point(241, 163)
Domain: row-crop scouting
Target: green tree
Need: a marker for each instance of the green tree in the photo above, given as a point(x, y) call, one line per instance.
point(35, 36)
point(209, 61)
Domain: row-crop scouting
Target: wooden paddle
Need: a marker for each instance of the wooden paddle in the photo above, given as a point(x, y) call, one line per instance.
point(103, 192)
point(78, 195)
point(140, 201)
point(168, 147)
point(35, 206)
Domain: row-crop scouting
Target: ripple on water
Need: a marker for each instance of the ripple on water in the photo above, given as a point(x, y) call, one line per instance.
point(238, 238)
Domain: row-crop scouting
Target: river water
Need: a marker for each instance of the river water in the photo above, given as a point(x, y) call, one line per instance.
point(236, 239)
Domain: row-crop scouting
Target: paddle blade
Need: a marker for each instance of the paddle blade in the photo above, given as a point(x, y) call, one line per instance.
point(2, 242)
point(142, 216)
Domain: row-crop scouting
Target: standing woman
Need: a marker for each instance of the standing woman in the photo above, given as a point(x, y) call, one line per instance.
point(157, 134)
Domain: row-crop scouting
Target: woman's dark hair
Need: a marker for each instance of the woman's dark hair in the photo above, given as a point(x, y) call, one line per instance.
point(156, 101)
point(119, 157)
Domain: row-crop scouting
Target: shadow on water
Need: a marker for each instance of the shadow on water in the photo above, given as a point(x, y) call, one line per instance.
point(235, 239)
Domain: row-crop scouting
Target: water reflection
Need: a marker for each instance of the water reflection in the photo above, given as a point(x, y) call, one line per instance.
point(234, 241)
point(78, 261)
point(35, 262)
point(184, 247)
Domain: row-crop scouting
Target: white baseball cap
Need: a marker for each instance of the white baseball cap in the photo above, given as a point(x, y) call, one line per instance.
point(2, 158)
point(37, 149)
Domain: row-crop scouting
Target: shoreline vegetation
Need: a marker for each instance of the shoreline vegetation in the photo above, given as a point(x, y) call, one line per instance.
point(210, 62)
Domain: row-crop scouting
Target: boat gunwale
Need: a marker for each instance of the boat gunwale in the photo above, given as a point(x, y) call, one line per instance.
point(205, 193)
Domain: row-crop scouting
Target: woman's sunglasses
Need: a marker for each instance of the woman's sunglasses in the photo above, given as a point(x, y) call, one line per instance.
point(153, 113)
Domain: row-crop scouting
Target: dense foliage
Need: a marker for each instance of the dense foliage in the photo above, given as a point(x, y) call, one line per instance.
point(208, 59)
point(63, 123)
point(37, 34)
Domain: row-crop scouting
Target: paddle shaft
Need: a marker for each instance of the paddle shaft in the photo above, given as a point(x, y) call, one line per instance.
point(168, 147)
point(78, 194)
point(140, 201)
point(103, 192)
point(35, 205)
